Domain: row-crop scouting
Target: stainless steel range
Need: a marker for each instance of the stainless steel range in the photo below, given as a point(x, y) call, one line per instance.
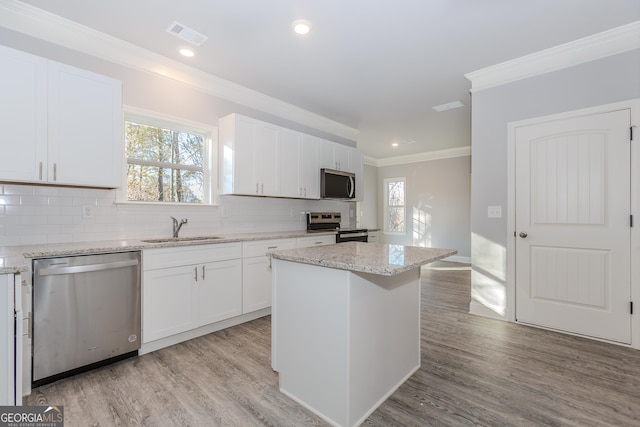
point(325, 221)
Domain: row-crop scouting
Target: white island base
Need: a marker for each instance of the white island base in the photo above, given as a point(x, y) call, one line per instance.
point(343, 341)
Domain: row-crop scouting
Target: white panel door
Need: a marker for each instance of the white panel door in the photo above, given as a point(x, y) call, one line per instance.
point(573, 225)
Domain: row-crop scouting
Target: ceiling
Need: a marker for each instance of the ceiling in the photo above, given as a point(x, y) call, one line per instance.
point(376, 66)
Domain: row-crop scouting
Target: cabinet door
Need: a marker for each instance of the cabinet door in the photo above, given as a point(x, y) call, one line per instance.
point(289, 143)
point(266, 164)
point(23, 116)
point(169, 302)
point(244, 156)
point(256, 283)
point(309, 167)
point(327, 158)
point(341, 153)
point(219, 291)
point(85, 128)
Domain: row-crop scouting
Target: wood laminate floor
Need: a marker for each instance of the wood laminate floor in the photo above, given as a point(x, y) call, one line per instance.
point(475, 371)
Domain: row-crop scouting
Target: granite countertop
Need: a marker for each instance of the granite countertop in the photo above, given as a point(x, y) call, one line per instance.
point(17, 259)
point(374, 258)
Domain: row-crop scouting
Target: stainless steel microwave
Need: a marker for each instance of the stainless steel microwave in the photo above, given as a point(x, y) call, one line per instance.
point(336, 184)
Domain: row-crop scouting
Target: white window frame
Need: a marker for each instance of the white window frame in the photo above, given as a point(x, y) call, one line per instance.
point(385, 228)
point(152, 118)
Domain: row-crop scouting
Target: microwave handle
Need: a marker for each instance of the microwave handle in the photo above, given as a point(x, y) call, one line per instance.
point(350, 187)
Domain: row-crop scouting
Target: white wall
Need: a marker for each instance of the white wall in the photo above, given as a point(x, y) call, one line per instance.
point(440, 191)
point(608, 80)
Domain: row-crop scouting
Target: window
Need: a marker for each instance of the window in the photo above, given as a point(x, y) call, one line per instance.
point(166, 161)
point(394, 213)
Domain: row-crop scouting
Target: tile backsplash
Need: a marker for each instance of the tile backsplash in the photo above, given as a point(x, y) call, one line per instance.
point(31, 215)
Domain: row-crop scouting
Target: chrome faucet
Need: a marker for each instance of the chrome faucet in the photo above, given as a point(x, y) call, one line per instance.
point(176, 226)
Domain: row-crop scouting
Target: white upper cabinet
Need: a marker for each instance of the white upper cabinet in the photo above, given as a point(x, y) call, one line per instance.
point(309, 176)
point(249, 154)
point(339, 157)
point(289, 172)
point(261, 159)
point(23, 116)
point(61, 125)
point(85, 128)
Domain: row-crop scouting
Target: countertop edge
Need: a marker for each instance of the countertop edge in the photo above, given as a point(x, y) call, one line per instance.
point(20, 256)
point(364, 264)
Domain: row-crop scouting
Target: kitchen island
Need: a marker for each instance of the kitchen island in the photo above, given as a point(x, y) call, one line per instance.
point(346, 324)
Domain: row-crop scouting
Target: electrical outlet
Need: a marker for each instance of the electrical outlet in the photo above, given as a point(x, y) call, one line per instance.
point(494, 212)
point(87, 211)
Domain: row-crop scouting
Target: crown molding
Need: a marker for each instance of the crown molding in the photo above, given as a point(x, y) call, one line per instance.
point(600, 45)
point(35, 22)
point(426, 156)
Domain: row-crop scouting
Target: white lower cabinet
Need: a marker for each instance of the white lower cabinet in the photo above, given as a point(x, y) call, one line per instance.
point(256, 272)
point(185, 288)
point(374, 236)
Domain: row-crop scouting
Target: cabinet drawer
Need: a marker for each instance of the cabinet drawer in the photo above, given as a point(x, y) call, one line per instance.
point(261, 247)
point(187, 255)
point(305, 242)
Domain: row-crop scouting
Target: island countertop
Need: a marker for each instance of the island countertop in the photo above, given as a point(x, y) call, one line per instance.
point(374, 258)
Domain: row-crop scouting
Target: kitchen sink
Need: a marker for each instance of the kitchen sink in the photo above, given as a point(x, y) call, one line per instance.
point(181, 239)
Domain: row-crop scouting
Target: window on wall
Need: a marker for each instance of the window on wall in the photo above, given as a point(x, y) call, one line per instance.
point(394, 213)
point(167, 161)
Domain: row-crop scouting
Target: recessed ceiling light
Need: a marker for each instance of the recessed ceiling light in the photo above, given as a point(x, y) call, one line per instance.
point(301, 26)
point(394, 144)
point(448, 106)
point(185, 51)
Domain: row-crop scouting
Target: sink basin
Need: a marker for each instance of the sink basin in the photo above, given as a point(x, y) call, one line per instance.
point(181, 239)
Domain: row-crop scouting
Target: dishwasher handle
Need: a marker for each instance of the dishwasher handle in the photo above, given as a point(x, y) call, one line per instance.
point(86, 268)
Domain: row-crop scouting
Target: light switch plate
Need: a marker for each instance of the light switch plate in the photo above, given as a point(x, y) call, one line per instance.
point(494, 212)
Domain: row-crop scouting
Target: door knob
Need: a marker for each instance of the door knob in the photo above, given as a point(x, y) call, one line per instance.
point(522, 234)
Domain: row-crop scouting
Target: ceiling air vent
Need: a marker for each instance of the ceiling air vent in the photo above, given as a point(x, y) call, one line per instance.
point(186, 33)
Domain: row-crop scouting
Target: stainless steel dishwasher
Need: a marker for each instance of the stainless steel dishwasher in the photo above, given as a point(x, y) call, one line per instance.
point(86, 313)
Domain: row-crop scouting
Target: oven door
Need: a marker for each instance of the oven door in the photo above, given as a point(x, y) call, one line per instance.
point(346, 236)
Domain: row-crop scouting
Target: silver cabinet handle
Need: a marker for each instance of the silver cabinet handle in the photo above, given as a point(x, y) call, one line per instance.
point(257, 192)
point(272, 247)
point(55, 171)
point(29, 325)
point(522, 234)
point(262, 188)
point(305, 191)
point(40, 173)
point(196, 271)
point(203, 267)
